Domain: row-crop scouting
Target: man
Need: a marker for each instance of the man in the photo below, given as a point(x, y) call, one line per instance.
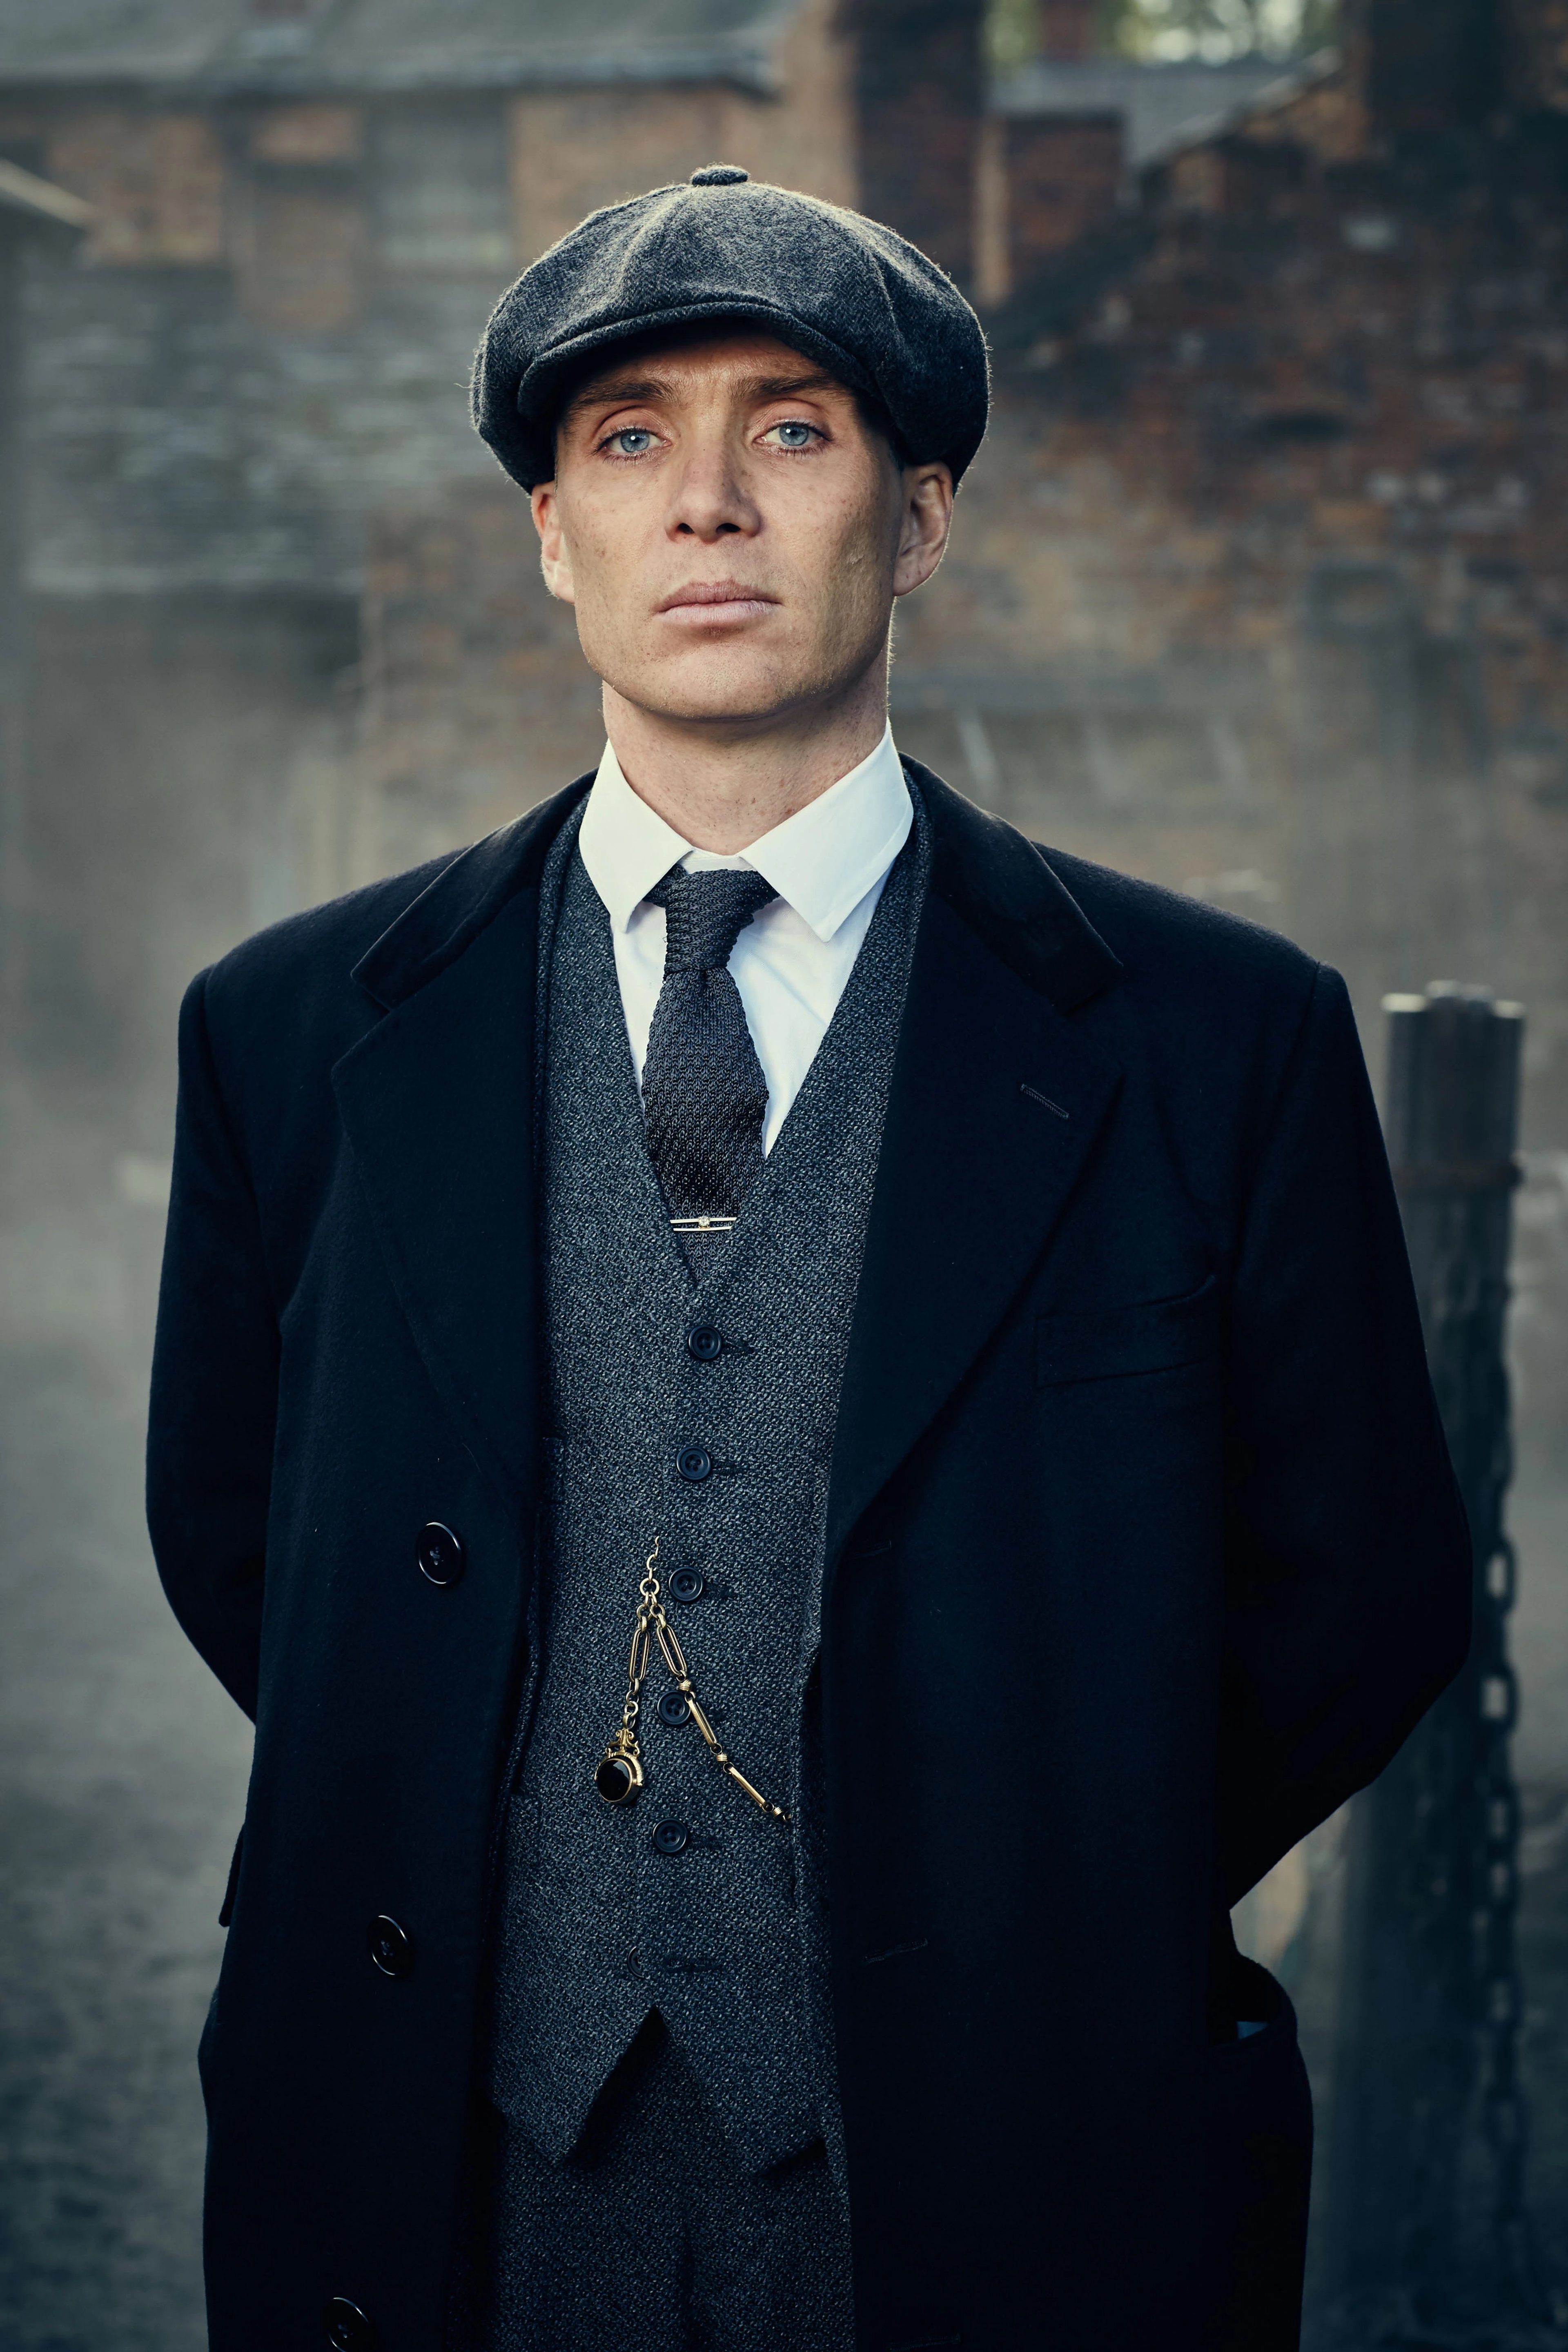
point(937, 1306)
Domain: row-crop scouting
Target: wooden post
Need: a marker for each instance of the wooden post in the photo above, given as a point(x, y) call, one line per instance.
point(1426, 2214)
point(13, 619)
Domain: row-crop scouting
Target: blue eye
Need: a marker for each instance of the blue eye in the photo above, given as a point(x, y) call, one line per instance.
point(632, 440)
point(793, 434)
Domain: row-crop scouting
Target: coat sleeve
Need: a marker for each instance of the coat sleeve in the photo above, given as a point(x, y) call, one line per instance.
point(1348, 1556)
point(214, 1379)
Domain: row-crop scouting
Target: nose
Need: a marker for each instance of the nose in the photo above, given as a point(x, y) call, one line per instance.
point(710, 499)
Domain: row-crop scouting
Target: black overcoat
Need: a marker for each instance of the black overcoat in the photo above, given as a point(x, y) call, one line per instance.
point(1143, 1552)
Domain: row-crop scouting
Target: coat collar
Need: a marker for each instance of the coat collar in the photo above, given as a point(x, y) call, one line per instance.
point(1005, 890)
point(436, 1100)
point(449, 914)
point(995, 879)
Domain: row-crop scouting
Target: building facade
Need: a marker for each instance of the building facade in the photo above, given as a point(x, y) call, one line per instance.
point(1257, 588)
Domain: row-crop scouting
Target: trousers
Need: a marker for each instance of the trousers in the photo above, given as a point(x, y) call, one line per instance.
point(649, 2232)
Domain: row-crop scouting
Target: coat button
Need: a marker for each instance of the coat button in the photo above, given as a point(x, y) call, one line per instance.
point(694, 1464)
point(705, 1343)
point(671, 1837)
point(672, 1707)
point(687, 1584)
point(441, 1554)
point(348, 2329)
point(391, 1947)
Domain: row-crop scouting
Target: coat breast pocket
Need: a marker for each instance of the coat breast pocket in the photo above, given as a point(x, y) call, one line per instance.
point(1116, 1342)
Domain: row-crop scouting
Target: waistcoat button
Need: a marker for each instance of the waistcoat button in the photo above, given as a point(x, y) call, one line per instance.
point(348, 2329)
point(441, 1554)
point(704, 1343)
point(672, 1707)
point(391, 1947)
point(671, 1837)
point(687, 1584)
point(694, 1464)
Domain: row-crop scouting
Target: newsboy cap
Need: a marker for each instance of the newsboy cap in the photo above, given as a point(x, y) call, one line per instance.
point(847, 292)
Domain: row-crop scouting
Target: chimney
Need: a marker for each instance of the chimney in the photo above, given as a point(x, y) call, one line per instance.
point(1067, 33)
point(1431, 65)
point(919, 90)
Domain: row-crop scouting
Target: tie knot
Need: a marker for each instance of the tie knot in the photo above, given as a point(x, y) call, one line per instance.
point(705, 914)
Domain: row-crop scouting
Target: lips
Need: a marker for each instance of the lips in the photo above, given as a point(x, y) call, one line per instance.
point(717, 600)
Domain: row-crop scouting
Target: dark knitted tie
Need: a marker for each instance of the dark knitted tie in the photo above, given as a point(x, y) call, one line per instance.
point(704, 1095)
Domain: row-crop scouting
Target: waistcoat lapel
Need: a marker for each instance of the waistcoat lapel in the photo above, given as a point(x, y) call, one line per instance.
point(438, 1103)
point(974, 1170)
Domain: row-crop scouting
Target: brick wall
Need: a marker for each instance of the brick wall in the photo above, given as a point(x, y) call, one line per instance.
point(919, 92)
point(154, 178)
point(573, 151)
point(1064, 178)
point(1313, 432)
point(477, 701)
point(1539, 59)
point(1434, 64)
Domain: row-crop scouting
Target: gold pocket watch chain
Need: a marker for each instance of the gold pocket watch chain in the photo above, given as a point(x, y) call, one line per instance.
point(618, 1774)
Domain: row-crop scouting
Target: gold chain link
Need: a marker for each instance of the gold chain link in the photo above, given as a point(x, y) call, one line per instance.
point(619, 1774)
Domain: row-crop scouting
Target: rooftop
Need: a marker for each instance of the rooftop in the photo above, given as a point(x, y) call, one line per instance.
point(1165, 106)
point(366, 46)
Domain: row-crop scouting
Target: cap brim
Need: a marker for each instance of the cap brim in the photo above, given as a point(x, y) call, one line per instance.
point(544, 383)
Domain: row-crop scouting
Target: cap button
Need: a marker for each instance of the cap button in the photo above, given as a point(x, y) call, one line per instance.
point(718, 175)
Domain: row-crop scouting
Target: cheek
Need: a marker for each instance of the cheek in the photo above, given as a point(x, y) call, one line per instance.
point(604, 571)
point(857, 574)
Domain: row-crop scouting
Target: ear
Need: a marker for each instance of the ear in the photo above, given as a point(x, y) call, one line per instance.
point(927, 519)
point(553, 559)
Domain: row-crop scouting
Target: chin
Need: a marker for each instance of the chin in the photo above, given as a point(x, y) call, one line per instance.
point(707, 686)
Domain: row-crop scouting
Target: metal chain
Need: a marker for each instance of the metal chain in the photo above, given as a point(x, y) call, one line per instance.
point(1467, 1825)
point(619, 1773)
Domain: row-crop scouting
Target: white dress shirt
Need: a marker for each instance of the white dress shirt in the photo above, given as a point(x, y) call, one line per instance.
point(827, 862)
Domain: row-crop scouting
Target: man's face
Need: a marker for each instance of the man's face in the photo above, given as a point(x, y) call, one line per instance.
point(731, 529)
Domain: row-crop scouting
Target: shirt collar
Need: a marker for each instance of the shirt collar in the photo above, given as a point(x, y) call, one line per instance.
point(823, 859)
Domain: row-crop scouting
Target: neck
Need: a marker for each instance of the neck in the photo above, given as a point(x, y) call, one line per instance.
point(722, 784)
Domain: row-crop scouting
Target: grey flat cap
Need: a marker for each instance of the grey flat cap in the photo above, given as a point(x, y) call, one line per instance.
point(843, 290)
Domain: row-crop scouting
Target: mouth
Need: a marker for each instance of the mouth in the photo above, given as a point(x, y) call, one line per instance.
point(707, 604)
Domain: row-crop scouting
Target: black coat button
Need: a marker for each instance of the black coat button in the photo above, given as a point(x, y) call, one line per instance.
point(348, 2329)
point(671, 1837)
point(704, 1343)
point(694, 1464)
point(391, 1947)
point(440, 1554)
point(672, 1707)
point(687, 1584)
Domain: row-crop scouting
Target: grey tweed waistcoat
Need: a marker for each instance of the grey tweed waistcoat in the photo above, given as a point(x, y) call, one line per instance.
point(597, 1926)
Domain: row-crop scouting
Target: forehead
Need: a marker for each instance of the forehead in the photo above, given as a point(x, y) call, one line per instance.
point(721, 358)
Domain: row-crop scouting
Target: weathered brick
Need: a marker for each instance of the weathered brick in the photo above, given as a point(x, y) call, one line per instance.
point(574, 150)
point(155, 181)
point(308, 134)
point(299, 257)
point(1064, 178)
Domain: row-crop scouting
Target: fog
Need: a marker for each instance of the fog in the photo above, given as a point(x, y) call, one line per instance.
point(1257, 590)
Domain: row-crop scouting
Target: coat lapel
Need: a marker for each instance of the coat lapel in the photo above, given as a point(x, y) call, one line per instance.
point(995, 1102)
point(436, 1101)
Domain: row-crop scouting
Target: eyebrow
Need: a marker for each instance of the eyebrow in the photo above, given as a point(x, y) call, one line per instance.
point(630, 389)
